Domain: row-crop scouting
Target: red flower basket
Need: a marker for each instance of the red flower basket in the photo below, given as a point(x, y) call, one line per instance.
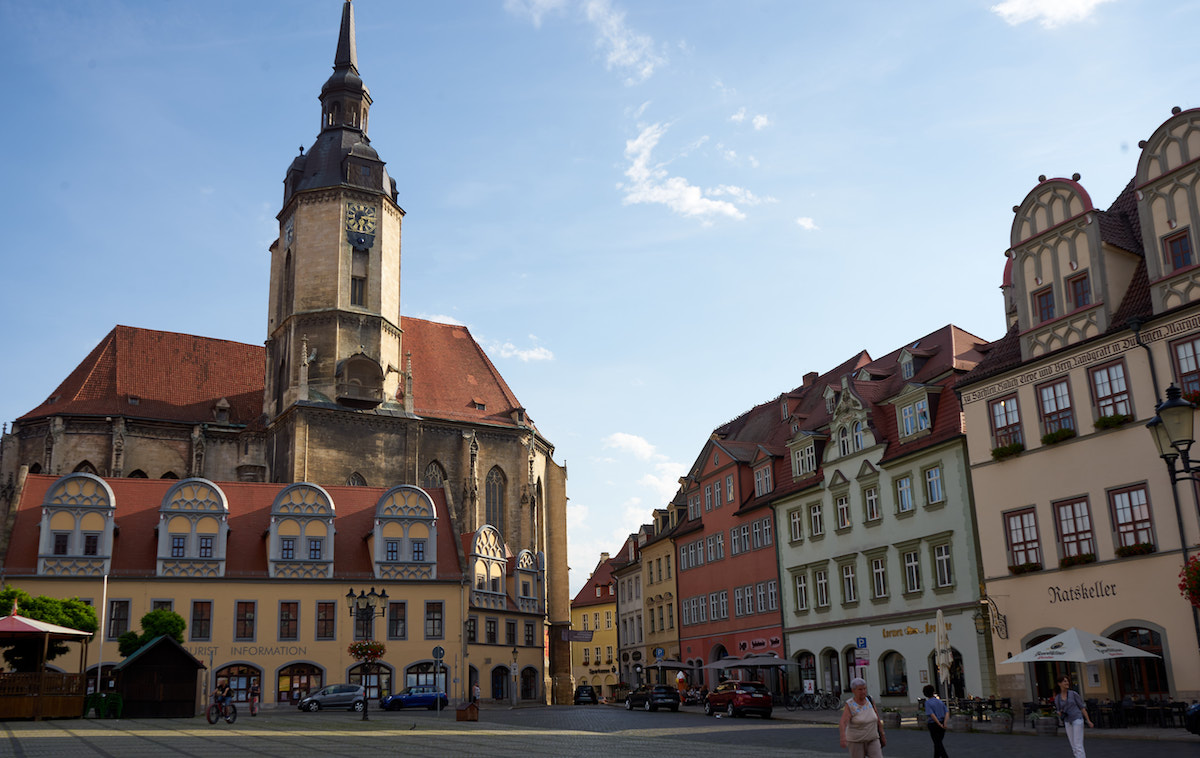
point(1189, 581)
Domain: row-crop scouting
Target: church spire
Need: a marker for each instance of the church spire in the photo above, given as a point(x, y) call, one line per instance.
point(346, 54)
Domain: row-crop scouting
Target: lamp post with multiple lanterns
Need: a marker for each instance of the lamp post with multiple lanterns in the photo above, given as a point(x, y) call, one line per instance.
point(1173, 430)
point(364, 608)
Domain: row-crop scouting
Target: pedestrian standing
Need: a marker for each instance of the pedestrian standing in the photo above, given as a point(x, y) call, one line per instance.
point(860, 728)
point(937, 717)
point(1073, 712)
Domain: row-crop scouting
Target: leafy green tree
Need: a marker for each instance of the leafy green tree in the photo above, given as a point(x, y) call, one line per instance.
point(154, 624)
point(73, 613)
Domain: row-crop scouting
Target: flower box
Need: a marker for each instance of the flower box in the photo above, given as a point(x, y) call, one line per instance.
point(1025, 568)
point(1077, 560)
point(1008, 451)
point(1057, 436)
point(1189, 581)
point(1140, 548)
point(1113, 421)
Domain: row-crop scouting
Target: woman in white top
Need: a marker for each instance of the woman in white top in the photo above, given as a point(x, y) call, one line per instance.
point(860, 728)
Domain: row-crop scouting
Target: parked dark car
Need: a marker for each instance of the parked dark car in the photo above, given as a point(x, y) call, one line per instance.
point(652, 697)
point(736, 698)
point(586, 693)
point(417, 696)
point(1191, 718)
point(349, 696)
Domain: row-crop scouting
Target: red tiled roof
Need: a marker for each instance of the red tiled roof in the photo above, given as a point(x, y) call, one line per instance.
point(180, 377)
point(135, 548)
point(175, 377)
point(601, 578)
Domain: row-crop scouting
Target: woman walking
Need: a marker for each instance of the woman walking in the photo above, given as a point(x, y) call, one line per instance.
point(860, 728)
point(937, 716)
point(1073, 712)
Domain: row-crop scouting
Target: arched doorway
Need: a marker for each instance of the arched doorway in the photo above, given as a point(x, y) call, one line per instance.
point(529, 683)
point(296, 681)
point(423, 673)
point(831, 666)
point(956, 687)
point(808, 671)
point(239, 676)
point(500, 678)
point(1144, 677)
point(895, 673)
point(377, 681)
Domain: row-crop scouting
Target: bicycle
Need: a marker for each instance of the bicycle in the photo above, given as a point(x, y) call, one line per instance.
point(215, 711)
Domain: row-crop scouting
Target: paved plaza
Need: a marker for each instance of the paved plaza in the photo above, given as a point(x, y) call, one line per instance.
point(530, 731)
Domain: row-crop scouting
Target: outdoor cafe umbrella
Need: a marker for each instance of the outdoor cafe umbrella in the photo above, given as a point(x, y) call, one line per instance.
point(1078, 646)
point(944, 655)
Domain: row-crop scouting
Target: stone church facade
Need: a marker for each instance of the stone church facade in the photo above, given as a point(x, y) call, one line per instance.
point(346, 390)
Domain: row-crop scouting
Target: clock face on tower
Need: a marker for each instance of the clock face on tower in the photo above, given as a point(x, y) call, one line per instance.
point(360, 218)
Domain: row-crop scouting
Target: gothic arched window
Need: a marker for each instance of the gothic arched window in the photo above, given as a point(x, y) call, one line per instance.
point(494, 498)
point(434, 477)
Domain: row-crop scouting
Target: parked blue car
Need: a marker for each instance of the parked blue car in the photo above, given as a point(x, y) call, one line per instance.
point(417, 696)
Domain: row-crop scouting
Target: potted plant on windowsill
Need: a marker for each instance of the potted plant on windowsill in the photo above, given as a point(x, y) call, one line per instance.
point(1057, 436)
point(1138, 548)
point(1025, 568)
point(1112, 421)
point(1007, 451)
point(1189, 581)
point(960, 720)
point(1077, 560)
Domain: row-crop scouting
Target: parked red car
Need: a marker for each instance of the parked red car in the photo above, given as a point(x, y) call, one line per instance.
point(737, 698)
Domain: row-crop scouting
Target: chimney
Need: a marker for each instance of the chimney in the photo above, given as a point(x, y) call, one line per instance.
point(604, 557)
point(810, 378)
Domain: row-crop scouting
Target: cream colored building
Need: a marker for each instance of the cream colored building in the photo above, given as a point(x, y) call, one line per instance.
point(660, 600)
point(1079, 523)
point(594, 631)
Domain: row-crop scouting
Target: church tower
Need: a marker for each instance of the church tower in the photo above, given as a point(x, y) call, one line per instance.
point(334, 330)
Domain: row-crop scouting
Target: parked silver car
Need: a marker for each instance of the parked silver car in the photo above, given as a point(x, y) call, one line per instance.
point(349, 696)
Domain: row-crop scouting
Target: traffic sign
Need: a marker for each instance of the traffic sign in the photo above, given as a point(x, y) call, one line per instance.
point(439, 653)
point(862, 642)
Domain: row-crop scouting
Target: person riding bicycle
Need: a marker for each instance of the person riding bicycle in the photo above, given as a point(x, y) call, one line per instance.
point(222, 695)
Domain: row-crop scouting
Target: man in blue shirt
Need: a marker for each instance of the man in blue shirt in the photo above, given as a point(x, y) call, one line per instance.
point(937, 715)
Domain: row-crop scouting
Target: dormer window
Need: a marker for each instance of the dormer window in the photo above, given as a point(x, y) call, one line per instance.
point(914, 417)
point(906, 366)
point(830, 401)
point(762, 481)
point(804, 460)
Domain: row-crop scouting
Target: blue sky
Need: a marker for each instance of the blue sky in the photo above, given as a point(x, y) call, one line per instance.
point(653, 215)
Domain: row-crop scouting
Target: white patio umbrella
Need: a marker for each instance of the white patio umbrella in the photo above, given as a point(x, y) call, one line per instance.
point(724, 663)
point(944, 656)
point(1078, 646)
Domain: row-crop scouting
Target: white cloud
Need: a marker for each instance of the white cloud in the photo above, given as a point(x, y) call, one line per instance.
point(635, 114)
point(440, 318)
point(738, 117)
point(807, 224)
point(625, 49)
point(761, 122)
point(649, 183)
point(630, 443)
point(719, 86)
point(509, 350)
point(753, 161)
point(741, 194)
point(533, 9)
point(1049, 13)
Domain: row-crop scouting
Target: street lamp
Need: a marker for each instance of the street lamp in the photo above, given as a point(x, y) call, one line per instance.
point(364, 607)
point(1173, 430)
point(987, 614)
point(516, 654)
